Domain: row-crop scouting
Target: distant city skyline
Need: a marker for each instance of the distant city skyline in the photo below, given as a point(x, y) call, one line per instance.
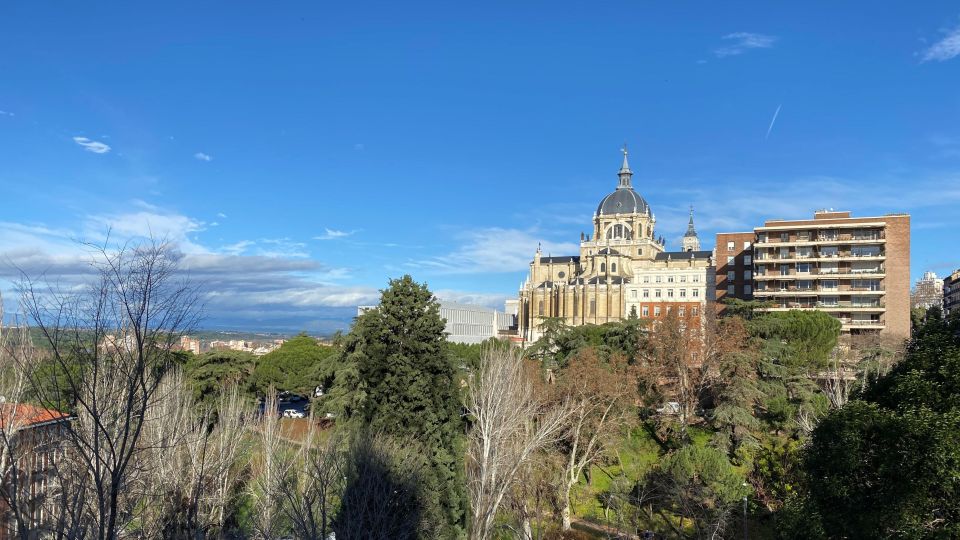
point(301, 155)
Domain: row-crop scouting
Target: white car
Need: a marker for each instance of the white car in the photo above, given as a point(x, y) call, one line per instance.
point(293, 413)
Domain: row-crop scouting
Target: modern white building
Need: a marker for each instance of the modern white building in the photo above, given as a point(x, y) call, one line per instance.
point(469, 323)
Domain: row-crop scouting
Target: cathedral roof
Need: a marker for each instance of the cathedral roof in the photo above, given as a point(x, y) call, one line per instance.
point(608, 251)
point(564, 259)
point(624, 200)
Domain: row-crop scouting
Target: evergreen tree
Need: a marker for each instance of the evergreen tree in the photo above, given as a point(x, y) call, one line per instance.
point(406, 388)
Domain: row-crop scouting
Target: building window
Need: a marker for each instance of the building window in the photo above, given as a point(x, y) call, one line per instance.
point(746, 274)
point(593, 307)
point(784, 269)
point(803, 268)
point(656, 293)
point(683, 293)
point(646, 293)
point(731, 246)
point(747, 259)
point(668, 309)
point(696, 293)
point(656, 311)
point(730, 290)
point(683, 279)
point(784, 237)
point(680, 311)
point(603, 267)
point(693, 311)
point(669, 293)
point(633, 293)
point(746, 244)
point(731, 275)
point(639, 251)
point(659, 279)
point(646, 279)
point(696, 279)
point(646, 311)
point(669, 279)
point(540, 308)
point(613, 267)
point(730, 259)
point(747, 289)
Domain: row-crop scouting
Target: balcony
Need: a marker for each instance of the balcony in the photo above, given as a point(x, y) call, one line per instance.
point(812, 240)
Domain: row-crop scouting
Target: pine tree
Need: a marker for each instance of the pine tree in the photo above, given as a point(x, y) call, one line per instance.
point(409, 392)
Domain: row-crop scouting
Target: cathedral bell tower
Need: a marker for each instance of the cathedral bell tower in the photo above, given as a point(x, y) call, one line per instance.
point(690, 240)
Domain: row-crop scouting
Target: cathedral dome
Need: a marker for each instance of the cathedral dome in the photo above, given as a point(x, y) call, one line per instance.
point(624, 200)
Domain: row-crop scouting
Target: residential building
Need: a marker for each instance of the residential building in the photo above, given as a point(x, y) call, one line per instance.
point(734, 261)
point(856, 269)
point(951, 292)
point(622, 268)
point(188, 343)
point(31, 447)
point(927, 292)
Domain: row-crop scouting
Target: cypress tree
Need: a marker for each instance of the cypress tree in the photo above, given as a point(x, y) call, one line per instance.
point(409, 392)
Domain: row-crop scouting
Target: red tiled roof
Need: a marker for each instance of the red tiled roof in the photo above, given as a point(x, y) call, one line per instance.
point(25, 414)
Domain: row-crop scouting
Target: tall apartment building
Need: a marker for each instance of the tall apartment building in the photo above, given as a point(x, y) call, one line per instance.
point(928, 292)
point(951, 293)
point(734, 261)
point(855, 269)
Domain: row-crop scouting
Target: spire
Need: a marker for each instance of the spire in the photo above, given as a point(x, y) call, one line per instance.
point(625, 172)
point(690, 241)
point(690, 230)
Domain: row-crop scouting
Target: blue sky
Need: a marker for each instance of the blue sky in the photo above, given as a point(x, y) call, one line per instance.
point(301, 153)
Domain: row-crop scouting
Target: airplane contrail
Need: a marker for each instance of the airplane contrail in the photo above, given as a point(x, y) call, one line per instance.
point(772, 121)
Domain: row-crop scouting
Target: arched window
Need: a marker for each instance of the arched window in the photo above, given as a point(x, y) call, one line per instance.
point(603, 267)
point(613, 267)
point(540, 308)
point(618, 231)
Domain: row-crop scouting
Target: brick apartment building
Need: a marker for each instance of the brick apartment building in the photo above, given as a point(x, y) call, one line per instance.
point(857, 269)
point(32, 436)
point(734, 261)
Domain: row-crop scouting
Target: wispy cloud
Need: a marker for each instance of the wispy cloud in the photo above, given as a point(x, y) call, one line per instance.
point(943, 50)
point(203, 157)
point(333, 234)
point(96, 147)
point(493, 250)
point(261, 284)
point(6, 113)
point(221, 215)
point(741, 42)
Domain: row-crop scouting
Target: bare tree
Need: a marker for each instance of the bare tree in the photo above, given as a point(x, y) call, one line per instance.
point(511, 421)
point(313, 485)
point(192, 458)
point(269, 468)
point(599, 395)
point(109, 344)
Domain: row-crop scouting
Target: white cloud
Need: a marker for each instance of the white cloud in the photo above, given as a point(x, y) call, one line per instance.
point(221, 215)
point(333, 234)
point(6, 113)
point(96, 147)
point(490, 300)
point(494, 250)
point(945, 49)
point(741, 42)
point(203, 157)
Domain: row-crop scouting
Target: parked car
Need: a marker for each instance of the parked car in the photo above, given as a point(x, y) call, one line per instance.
point(293, 413)
point(670, 407)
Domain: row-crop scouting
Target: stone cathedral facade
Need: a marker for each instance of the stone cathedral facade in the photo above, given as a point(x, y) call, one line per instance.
point(623, 269)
